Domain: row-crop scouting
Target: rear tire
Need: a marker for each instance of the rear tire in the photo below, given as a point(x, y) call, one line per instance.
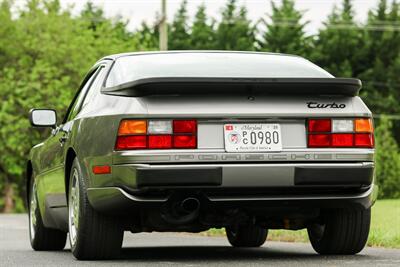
point(41, 237)
point(246, 236)
point(341, 231)
point(93, 236)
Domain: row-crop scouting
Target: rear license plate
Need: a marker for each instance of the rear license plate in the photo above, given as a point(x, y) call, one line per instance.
point(253, 137)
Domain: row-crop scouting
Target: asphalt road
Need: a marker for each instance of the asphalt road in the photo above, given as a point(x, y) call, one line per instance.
point(171, 249)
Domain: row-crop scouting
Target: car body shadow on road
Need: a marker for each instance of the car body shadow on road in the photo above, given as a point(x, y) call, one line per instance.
point(226, 254)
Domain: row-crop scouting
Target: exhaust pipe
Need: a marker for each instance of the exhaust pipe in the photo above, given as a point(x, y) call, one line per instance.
point(190, 205)
point(181, 212)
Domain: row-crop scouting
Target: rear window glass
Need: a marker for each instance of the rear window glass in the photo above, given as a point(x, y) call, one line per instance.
point(217, 64)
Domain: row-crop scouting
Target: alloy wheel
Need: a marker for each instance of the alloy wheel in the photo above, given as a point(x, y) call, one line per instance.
point(73, 207)
point(32, 211)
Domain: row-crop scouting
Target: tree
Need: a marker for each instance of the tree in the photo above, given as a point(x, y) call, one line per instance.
point(147, 37)
point(387, 160)
point(382, 52)
point(339, 45)
point(235, 31)
point(203, 34)
point(50, 53)
point(285, 32)
point(178, 35)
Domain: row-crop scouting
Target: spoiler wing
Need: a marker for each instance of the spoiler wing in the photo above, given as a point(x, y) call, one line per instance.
point(222, 86)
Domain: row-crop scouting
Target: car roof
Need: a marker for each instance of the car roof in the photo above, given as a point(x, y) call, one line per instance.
point(116, 56)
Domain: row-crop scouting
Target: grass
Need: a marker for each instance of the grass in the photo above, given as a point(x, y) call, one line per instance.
point(385, 227)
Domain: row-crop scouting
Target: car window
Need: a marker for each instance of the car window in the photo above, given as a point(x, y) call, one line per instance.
point(211, 65)
point(95, 87)
point(77, 103)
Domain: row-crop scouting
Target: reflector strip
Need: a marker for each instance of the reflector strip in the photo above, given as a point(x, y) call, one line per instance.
point(101, 169)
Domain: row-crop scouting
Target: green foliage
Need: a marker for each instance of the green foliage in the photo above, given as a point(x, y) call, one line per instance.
point(337, 47)
point(388, 160)
point(382, 50)
point(235, 31)
point(203, 35)
point(147, 37)
point(285, 32)
point(178, 35)
point(49, 53)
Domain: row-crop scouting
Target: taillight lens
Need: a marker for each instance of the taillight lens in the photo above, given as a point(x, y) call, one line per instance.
point(185, 126)
point(185, 141)
point(160, 141)
point(129, 127)
point(319, 140)
point(157, 134)
point(363, 125)
point(364, 140)
point(344, 133)
point(131, 142)
point(342, 140)
point(320, 125)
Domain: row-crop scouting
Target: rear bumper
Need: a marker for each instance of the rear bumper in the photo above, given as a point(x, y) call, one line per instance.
point(256, 175)
point(115, 200)
point(276, 184)
point(139, 176)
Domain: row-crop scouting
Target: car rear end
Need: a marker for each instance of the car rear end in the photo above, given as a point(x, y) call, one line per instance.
point(277, 161)
point(266, 155)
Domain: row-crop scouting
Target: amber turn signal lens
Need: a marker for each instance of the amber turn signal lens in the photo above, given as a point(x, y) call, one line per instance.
point(129, 127)
point(363, 125)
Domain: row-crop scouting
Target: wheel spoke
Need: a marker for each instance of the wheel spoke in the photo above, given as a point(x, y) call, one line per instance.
point(74, 207)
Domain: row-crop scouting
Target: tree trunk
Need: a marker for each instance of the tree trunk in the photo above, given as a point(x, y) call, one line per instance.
point(8, 198)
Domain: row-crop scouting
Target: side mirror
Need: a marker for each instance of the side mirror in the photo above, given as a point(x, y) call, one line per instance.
point(43, 118)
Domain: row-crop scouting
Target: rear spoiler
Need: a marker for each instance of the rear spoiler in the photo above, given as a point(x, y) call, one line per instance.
point(231, 86)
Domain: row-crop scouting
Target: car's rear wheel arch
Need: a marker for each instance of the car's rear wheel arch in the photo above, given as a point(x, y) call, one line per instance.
point(69, 160)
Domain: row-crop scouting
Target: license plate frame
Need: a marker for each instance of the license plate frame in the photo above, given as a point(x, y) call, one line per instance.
point(252, 137)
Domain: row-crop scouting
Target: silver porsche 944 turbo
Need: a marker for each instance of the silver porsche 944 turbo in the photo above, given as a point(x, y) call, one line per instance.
point(188, 141)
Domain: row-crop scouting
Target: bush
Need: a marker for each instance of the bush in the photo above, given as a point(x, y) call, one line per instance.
point(387, 160)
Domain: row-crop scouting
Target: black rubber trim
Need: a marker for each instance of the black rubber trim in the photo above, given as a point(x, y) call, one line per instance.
point(243, 85)
point(333, 176)
point(179, 177)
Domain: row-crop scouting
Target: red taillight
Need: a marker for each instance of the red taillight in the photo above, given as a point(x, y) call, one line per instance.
point(364, 140)
point(131, 142)
point(185, 141)
point(342, 140)
point(319, 140)
point(185, 126)
point(343, 133)
point(319, 125)
point(160, 141)
point(157, 134)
